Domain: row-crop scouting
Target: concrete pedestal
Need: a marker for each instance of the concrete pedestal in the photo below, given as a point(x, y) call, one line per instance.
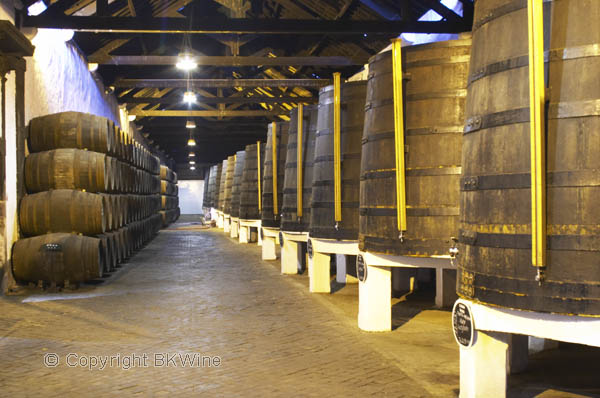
point(220, 219)
point(319, 265)
point(375, 311)
point(226, 223)
point(248, 231)
point(503, 338)
point(343, 267)
point(292, 252)
point(235, 228)
point(270, 240)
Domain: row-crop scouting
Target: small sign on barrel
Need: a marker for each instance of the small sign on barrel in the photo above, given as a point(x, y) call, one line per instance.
point(280, 238)
point(309, 248)
point(462, 324)
point(361, 268)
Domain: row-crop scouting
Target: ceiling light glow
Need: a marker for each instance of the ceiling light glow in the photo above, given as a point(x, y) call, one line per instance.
point(186, 62)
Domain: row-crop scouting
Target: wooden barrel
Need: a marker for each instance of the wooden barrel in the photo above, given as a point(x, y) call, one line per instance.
point(495, 258)
point(249, 190)
point(229, 183)
point(66, 169)
point(205, 190)
point(438, 80)
point(222, 183)
point(167, 174)
point(212, 182)
point(289, 215)
point(217, 187)
point(70, 130)
point(167, 188)
point(271, 215)
point(322, 215)
point(168, 202)
point(56, 258)
point(169, 216)
point(106, 263)
point(62, 210)
point(236, 188)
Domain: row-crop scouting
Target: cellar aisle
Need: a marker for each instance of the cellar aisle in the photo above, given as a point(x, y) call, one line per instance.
point(197, 292)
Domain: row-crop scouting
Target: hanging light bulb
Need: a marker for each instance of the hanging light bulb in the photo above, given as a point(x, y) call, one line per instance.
point(191, 140)
point(186, 62)
point(192, 162)
point(190, 124)
point(131, 118)
point(191, 155)
point(189, 97)
point(192, 168)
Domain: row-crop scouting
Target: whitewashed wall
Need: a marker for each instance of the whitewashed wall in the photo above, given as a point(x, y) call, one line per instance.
point(57, 79)
point(190, 196)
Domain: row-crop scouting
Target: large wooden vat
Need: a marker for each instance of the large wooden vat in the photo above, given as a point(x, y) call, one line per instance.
point(236, 188)
point(212, 182)
point(62, 210)
point(205, 199)
point(56, 258)
point(167, 174)
point(289, 212)
point(434, 102)
point(229, 184)
point(66, 169)
point(169, 202)
point(249, 195)
point(217, 188)
point(71, 130)
point(222, 183)
point(495, 259)
point(168, 188)
point(271, 211)
point(322, 216)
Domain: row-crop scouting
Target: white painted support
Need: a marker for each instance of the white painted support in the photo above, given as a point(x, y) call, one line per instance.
point(375, 300)
point(220, 219)
point(291, 257)
point(269, 248)
point(445, 287)
point(538, 324)
point(226, 223)
point(244, 236)
point(504, 337)
point(248, 231)
point(319, 271)
point(269, 241)
point(342, 267)
point(213, 213)
point(235, 227)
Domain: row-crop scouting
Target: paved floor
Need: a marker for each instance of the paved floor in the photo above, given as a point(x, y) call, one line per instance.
point(200, 293)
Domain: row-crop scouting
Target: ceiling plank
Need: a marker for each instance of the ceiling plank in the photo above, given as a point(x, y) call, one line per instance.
point(150, 60)
point(238, 25)
point(221, 83)
point(211, 113)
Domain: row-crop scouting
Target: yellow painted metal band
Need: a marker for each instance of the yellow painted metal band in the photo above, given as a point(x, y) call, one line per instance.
point(299, 180)
point(258, 173)
point(337, 144)
point(274, 165)
point(399, 135)
point(537, 98)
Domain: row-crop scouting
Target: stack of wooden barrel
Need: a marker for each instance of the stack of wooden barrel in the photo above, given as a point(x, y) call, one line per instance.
point(92, 200)
point(169, 196)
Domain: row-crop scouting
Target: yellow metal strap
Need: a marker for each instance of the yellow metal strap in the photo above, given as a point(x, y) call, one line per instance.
point(337, 144)
point(399, 135)
point(274, 166)
point(299, 181)
point(258, 169)
point(537, 99)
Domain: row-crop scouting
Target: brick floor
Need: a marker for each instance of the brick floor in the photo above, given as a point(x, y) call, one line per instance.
point(200, 292)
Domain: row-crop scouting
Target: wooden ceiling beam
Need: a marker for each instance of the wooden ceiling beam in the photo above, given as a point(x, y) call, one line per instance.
point(238, 25)
point(150, 60)
point(221, 83)
point(210, 113)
